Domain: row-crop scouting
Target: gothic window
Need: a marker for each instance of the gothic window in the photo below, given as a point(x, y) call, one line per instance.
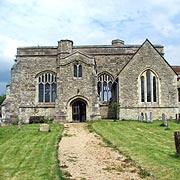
point(47, 87)
point(148, 83)
point(77, 70)
point(142, 88)
point(148, 79)
point(179, 94)
point(154, 89)
point(105, 87)
point(80, 71)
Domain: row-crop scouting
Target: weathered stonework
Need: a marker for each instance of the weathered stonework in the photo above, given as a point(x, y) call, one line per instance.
point(123, 63)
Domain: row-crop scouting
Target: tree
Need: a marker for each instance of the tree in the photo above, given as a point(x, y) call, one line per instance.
point(2, 98)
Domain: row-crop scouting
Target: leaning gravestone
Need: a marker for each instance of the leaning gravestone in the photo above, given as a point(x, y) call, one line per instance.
point(177, 142)
point(164, 121)
point(44, 128)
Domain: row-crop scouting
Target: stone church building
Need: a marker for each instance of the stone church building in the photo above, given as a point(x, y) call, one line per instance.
point(79, 83)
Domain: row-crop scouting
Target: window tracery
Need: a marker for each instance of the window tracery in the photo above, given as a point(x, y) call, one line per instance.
point(105, 87)
point(149, 84)
point(77, 70)
point(47, 87)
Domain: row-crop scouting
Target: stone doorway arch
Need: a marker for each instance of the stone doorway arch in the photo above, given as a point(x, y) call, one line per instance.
point(79, 110)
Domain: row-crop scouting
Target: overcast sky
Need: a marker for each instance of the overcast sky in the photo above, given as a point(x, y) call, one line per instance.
point(44, 22)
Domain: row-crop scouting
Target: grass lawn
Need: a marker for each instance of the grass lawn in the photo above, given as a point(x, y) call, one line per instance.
point(148, 144)
point(28, 154)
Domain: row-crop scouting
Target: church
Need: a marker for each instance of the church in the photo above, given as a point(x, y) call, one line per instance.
point(81, 83)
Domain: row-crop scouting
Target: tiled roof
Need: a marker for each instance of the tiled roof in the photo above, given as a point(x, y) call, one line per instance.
point(176, 69)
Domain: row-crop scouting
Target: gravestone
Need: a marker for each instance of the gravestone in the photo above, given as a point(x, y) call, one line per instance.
point(177, 142)
point(141, 117)
point(164, 121)
point(168, 127)
point(171, 118)
point(19, 125)
point(148, 116)
point(178, 119)
point(44, 128)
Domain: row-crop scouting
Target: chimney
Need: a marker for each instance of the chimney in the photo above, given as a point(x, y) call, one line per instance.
point(117, 42)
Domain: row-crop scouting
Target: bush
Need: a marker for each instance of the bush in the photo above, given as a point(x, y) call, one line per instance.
point(15, 122)
point(39, 119)
point(36, 119)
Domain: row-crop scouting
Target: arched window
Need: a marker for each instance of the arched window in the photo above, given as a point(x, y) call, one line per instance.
point(77, 70)
point(105, 87)
point(148, 79)
point(47, 87)
point(148, 83)
point(80, 71)
point(142, 88)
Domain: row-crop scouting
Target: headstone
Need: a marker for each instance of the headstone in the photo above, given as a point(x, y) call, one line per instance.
point(178, 120)
point(19, 125)
point(168, 127)
point(146, 117)
point(171, 118)
point(44, 128)
point(177, 142)
point(164, 121)
point(150, 117)
point(141, 117)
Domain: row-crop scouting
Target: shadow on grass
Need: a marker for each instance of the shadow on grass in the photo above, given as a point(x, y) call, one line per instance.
point(174, 156)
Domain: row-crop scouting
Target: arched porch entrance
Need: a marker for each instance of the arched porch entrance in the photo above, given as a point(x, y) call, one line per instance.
point(79, 111)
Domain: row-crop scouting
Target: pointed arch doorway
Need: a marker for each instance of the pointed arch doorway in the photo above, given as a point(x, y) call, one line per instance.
point(79, 111)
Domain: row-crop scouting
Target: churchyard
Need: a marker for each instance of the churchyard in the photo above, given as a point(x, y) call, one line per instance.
point(30, 154)
point(149, 145)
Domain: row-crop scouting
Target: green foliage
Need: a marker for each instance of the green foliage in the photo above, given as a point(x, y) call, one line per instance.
point(40, 119)
point(28, 154)
point(148, 144)
point(47, 120)
point(14, 122)
point(143, 173)
point(114, 107)
point(2, 98)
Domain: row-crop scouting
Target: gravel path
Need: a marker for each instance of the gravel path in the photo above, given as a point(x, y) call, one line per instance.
point(84, 156)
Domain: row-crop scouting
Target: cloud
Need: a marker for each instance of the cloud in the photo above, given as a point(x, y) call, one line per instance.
point(8, 47)
point(172, 54)
point(44, 22)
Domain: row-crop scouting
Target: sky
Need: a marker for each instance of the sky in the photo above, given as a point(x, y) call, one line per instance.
point(86, 22)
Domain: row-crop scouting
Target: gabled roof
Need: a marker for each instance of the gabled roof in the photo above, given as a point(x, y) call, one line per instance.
point(77, 56)
point(147, 41)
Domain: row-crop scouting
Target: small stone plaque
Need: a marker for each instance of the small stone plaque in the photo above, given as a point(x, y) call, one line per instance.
point(44, 128)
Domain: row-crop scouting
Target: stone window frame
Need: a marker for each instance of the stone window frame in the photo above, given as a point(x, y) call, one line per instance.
point(104, 86)
point(47, 81)
point(148, 87)
point(77, 70)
